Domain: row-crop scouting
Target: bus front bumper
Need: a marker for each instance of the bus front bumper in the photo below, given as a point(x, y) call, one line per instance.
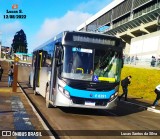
point(69, 102)
point(110, 105)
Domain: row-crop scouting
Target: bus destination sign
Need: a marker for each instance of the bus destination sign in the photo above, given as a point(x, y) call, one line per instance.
point(94, 40)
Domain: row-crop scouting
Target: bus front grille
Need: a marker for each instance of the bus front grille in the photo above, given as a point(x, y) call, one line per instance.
point(81, 101)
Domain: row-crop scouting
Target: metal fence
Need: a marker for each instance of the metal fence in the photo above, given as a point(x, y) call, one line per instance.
point(143, 62)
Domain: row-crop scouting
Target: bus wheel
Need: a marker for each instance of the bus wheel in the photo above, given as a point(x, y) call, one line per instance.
point(35, 93)
point(48, 105)
point(29, 81)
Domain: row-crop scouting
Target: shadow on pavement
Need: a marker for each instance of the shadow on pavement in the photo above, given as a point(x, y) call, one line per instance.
point(140, 101)
point(131, 106)
point(85, 111)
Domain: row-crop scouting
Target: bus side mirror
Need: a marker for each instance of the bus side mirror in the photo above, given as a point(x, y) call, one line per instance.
point(58, 54)
point(122, 63)
point(58, 49)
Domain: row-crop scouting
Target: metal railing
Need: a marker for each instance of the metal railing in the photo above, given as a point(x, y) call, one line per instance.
point(142, 62)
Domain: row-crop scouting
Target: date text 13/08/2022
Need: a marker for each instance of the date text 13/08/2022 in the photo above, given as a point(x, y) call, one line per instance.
point(15, 16)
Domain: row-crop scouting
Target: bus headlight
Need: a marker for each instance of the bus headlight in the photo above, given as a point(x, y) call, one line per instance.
point(66, 93)
point(114, 96)
point(62, 90)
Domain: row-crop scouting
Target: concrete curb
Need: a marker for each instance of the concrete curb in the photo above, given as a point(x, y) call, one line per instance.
point(51, 136)
point(147, 108)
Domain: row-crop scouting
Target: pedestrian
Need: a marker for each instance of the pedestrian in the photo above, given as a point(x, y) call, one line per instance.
point(153, 61)
point(128, 60)
point(157, 91)
point(1, 72)
point(136, 59)
point(132, 60)
point(158, 61)
point(10, 76)
point(124, 83)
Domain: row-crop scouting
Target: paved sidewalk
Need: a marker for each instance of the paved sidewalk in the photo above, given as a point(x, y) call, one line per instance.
point(15, 111)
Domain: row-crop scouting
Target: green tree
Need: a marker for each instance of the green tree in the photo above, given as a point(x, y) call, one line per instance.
point(19, 42)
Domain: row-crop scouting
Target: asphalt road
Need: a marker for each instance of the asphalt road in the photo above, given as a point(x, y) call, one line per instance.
point(124, 122)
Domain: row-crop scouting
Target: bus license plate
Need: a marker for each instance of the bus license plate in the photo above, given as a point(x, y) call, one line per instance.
point(88, 103)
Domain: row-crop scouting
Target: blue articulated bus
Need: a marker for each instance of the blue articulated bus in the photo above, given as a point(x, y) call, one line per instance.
point(78, 69)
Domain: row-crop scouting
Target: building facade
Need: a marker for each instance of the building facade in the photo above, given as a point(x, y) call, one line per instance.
point(131, 20)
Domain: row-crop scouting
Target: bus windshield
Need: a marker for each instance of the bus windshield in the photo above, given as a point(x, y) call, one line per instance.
point(97, 65)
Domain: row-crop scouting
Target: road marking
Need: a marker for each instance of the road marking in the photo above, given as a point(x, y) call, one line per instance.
point(153, 110)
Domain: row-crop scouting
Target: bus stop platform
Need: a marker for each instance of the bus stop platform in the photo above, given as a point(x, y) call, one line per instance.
point(17, 117)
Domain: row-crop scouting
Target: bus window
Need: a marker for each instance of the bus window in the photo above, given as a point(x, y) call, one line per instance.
point(77, 60)
point(88, 62)
point(48, 49)
point(107, 64)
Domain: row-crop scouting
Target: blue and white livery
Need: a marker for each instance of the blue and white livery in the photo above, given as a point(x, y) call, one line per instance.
point(78, 69)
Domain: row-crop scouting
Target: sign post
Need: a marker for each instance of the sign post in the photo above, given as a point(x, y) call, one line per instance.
point(15, 74)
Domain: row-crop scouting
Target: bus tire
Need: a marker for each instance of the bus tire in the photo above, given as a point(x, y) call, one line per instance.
point(48, 105)
point(29, 82)
point(35, 92)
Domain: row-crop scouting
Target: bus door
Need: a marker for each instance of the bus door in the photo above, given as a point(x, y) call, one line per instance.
point(57, 54)
point(38, 65)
